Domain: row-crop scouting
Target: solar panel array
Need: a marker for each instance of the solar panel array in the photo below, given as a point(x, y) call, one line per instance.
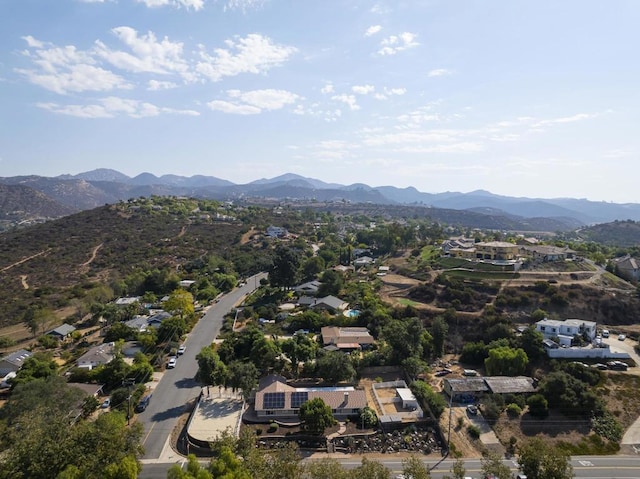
point(298, 398)
point(273, 401)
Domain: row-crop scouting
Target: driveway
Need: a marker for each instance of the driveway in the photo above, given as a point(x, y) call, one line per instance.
point(626, 346)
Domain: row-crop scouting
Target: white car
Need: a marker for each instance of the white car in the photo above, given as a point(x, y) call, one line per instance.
point(181, 350)
point(172, 362)
point(622, 337)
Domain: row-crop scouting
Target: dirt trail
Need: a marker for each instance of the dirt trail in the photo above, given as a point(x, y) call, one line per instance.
point(93, 255)
point(24, 260)
point(23, 280)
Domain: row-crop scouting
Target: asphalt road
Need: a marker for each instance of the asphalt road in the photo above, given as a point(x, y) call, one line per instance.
point(178, 386)
point(584, 467)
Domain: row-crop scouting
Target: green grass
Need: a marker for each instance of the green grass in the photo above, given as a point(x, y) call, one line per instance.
point(408, 302)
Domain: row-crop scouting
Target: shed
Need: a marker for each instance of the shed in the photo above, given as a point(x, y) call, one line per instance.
point(61, 332)
point(409, 401)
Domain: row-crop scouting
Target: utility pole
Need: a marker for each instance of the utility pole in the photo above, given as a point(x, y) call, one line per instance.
point(129, 382)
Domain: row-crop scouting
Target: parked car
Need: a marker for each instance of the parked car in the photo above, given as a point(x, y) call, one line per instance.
point(181, 350)
point(106, 403)
point(472, 409)
point(622, 337)
point(470, 372)
point(617, 365)
point(172, 362)
point(600, 366)
point(605, 333)
point(442, 372)
point(144, 402)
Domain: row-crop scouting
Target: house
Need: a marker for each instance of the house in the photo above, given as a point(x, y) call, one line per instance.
point(567, 329)
point(627, 267)
point(310, 287)
point(139, 323)
point(12, 362)
point(94, 390)
point(275, 399)
point(123, 302)
point(62, 332)
point(466, 389)
point(363, 261)
point(496, 250)
point(510, 385)
point(459, 243)
point(330, 303)
point(346, 338)
point(277, 232)
point(546, 253)
point(156, 319)
point(96, 356)
point(408, 399)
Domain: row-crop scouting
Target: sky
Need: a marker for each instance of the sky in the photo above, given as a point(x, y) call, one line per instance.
point(531, 99)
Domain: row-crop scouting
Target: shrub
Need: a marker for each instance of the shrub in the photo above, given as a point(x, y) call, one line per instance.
point(513, 411)
point(273, 427)
point(473, 431)
point(538, 406)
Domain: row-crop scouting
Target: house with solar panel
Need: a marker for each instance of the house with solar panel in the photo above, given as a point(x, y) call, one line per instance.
point(275, 399)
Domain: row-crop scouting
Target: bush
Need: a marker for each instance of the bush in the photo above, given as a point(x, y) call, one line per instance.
point(273, 427)
point(538, 406)
point(473, 431)
point(513, 411)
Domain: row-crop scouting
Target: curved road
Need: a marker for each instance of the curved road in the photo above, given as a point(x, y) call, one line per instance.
point(177, 387)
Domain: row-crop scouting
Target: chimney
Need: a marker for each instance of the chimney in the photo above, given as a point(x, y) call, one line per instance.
point(346, 397)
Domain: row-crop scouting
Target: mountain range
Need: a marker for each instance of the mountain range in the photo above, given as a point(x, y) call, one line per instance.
point(28, 197)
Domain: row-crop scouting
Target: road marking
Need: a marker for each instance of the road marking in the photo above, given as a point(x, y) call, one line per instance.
point(147, 436)
point(586, 463)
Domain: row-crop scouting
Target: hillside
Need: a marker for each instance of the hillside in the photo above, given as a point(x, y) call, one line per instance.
point(618, 233)
point(38, 265)
point(20, 203)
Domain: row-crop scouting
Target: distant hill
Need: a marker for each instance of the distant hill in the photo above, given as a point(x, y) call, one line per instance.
point(20, 203)
point(618, 233)
point(105, 186)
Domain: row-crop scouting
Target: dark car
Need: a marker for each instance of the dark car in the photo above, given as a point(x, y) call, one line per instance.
point(442, 372)
point(144, 402)
point(617, 365)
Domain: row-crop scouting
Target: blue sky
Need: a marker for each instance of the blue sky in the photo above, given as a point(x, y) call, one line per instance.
point(536, 99)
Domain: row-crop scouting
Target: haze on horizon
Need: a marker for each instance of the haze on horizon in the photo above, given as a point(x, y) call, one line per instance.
point(521, 99)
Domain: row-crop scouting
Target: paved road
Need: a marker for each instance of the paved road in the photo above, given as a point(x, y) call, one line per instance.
point(177, 386)
point(585, 467)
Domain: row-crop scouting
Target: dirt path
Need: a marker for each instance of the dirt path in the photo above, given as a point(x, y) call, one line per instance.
point(23, 280)
point(93, 255)
point(24, 260)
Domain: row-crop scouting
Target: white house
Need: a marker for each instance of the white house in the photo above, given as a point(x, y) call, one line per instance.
point(567, 329)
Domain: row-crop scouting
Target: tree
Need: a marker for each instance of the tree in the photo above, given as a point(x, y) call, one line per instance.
point(491, 463)
point(370, 469)
point(242, 375)
point(367, 417)
point(325, 468)
point(334, 367)
point(506, 361)
point(211, 370)
point(331, 283)
point(284, 270)
point(425, 394)
point(38, 366)
point(180, 302)
point(414, 366)
point(414, 468)
point(172, 329)
point(531, 341)
point(541, 460)
point(403, 338)
point(299, 349)
point(316, 416)
point(439, 330)
point(312, 267)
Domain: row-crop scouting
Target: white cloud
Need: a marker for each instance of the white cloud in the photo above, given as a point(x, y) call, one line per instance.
point(155, 85)
point(348, 99)
point(243, 5)
point(567, 119)
point(439, 72)
point(363, 89)
point(228, 107)
point(92, 1)
point(111, 107)
point(265, 99)
point(390, 92)
point(398, 43)
point(148, 54)
point(194, 4)
point(256, 101)
point(252, 54)
point(328, 88)
point(380, 9)
point(67, 69)
point(372, 30)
